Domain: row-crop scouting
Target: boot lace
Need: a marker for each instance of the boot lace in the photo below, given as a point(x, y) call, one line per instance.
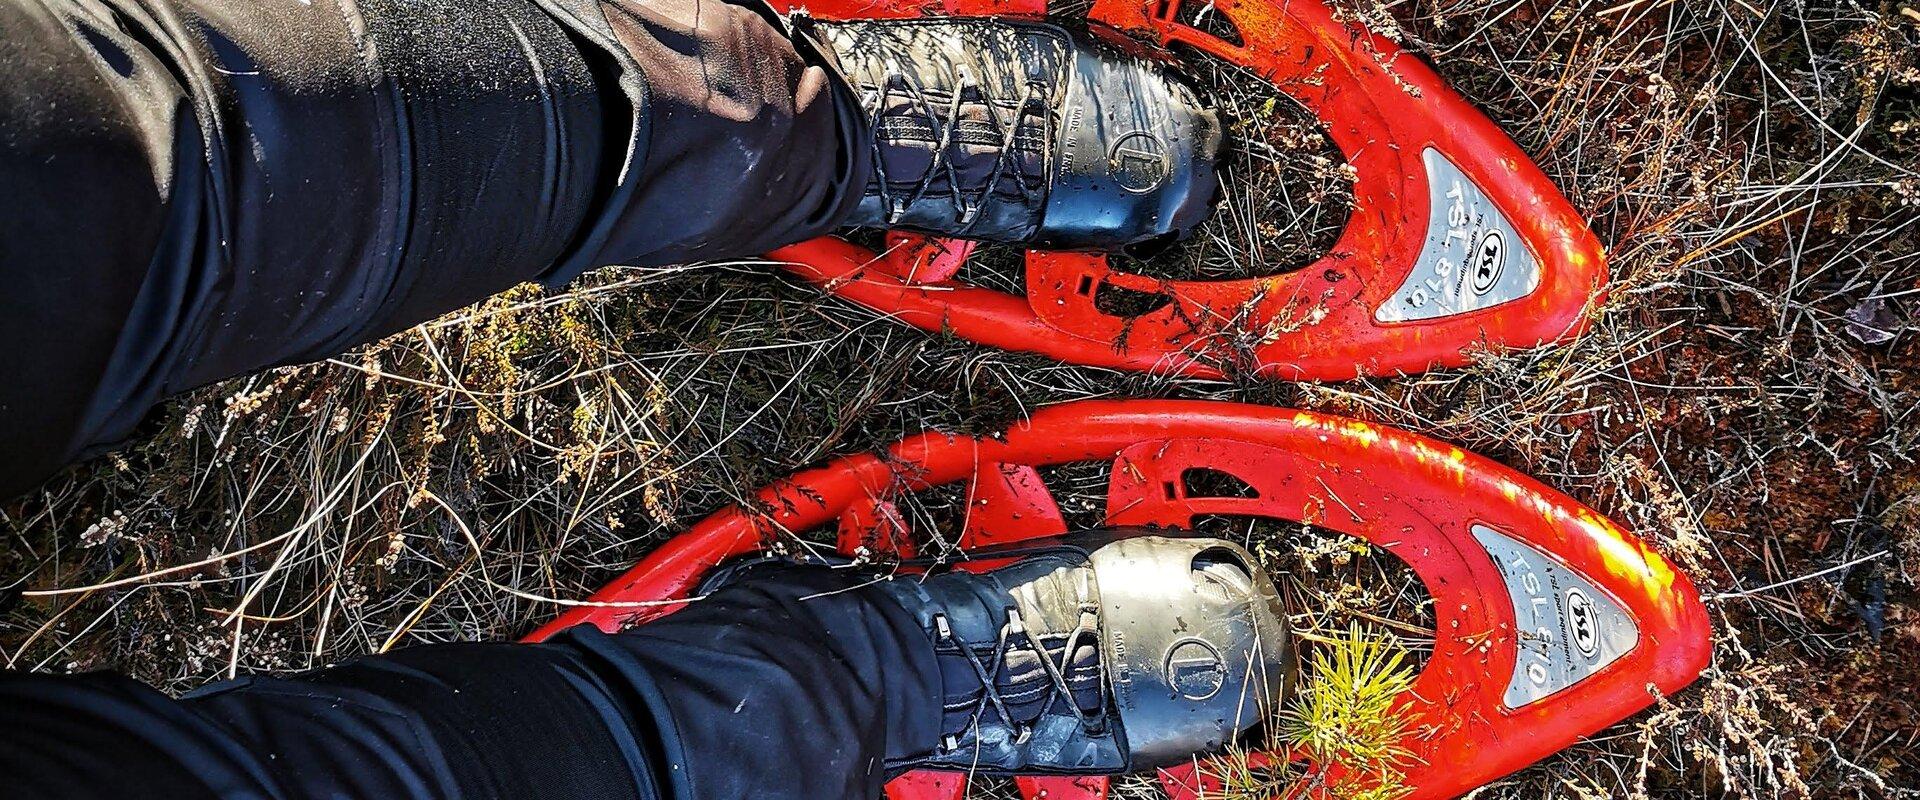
point(924, 107)
point(1015, 634)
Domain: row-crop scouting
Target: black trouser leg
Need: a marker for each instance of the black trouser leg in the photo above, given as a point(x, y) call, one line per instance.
point(195, 189)
point(799, 685)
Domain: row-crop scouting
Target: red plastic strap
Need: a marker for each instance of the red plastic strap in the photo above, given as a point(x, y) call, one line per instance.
point(1522, 577)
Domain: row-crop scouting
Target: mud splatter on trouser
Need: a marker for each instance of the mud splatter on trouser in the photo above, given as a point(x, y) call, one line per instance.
point(195, 189)
point(791, 686)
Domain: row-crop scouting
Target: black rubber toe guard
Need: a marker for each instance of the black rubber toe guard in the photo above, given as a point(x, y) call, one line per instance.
point(1136, 155)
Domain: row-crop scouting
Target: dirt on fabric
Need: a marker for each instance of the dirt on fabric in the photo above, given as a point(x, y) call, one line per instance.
point(1745, 401)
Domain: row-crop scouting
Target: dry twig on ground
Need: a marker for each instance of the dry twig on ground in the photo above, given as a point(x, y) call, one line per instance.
point(1746, 401)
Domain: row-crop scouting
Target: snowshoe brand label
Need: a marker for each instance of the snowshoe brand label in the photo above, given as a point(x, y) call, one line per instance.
point(1567, 629)
point(1487, 262)
point(1472, 258)
point(1582, 626)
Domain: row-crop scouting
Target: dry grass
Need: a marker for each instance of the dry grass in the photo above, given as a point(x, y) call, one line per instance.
point(1751, 165)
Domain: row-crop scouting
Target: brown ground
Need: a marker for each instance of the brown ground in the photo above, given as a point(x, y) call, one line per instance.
point(1751, 166)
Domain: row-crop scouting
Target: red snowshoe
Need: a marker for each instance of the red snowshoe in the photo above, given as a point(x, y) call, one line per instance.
point(1551, 622)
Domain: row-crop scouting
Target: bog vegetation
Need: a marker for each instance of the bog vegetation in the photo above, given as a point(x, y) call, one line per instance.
point(1746, 402)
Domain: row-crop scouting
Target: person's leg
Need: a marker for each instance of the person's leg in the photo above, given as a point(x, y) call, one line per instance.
point(195, 189)
point(202, 188)
point(1103, 652)
point(803, 685)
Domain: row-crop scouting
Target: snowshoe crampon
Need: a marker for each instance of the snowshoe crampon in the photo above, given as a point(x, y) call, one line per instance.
point(1551, 622)
point(1456, 242)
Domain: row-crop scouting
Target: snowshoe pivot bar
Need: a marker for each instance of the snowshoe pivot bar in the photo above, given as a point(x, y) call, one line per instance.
point(1552, 622)
point(1457, 241)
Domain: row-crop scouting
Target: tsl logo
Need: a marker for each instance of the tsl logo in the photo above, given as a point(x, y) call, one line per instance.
point(1487, 261)
point(1582, 625)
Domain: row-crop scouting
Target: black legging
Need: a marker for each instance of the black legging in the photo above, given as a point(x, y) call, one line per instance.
point(196, 189)
point(799, 685)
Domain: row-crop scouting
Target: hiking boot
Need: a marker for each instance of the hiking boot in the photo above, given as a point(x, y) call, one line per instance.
point(1097, 653)
point(1013, 131)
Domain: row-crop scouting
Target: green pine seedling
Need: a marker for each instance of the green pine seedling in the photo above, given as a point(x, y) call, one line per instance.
point(1345, 721)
